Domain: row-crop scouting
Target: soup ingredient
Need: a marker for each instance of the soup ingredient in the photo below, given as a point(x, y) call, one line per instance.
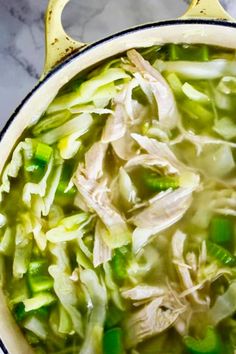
point(112, 342)
point(221, 230)
point(224, 306)
point(210, 344)
point(118, 206)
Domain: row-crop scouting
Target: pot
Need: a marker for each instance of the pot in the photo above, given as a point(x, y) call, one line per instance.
point(205, 22)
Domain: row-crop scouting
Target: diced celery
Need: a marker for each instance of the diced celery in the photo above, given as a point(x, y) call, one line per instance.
point(43, 152)
point(114, 316)
point(38, 277)
point(65, 193)
point(119, 263)
point(151, 53)
point(210, 344)
point(38, 267)
point(159, 183)
point(188, 52)
point(221, 230)
point(20, 312)
point(112, 341)
point(139, 95)
point(39, 300)
point(40, 283)
point(221, 254)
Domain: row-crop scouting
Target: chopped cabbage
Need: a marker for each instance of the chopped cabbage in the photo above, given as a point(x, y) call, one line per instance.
point(79, 125)
point(94, 89)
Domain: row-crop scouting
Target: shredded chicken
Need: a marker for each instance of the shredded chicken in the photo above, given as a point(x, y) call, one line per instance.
point(143, 292)
point(160, 150)
point(94, 159)
point(125, 147)
point(101, 252)
point(151, 320)
point(96, 196)
point(148, 160)
point(160, 215)
point(189, 287)
point(167, 109)
point(115, 126)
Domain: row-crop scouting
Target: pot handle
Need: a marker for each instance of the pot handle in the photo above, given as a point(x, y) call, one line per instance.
point(208, 9)
point(59, 45)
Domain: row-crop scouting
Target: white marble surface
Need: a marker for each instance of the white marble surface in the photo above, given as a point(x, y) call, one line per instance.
point(22, 35)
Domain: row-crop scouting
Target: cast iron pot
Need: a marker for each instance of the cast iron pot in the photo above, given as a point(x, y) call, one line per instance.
point(204, 22)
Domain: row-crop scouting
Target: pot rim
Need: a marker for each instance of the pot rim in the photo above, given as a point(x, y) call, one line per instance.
point(210, 22)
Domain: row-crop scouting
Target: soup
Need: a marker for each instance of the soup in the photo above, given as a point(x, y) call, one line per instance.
point(118, 209)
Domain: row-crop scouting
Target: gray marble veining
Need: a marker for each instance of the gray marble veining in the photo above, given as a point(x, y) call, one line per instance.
point(22, 34)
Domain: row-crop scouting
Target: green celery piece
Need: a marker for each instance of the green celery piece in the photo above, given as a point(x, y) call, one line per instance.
point(188, 52)
point(210, 344)
point(151, 53)
point(114, 316)
point(119, 263)
point(221, 254)
point(175, 83)
point(43, 153)
point(20, 313)
point(173, 52)
point(38, 267)
point(112, 341)
point(40, 283)
point(66, 175)
point(221, 230)
point(38, 276)
point(139, 96)
point(36, 166)
point(39, 300)
point(64, 197)
point(158, 183)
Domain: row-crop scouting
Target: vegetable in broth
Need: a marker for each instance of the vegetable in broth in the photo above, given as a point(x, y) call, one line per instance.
point(118, 209)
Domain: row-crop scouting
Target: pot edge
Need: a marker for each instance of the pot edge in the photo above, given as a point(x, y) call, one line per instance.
point(108, 39)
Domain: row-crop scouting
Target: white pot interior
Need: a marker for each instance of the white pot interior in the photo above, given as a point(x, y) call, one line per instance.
point(37, 103)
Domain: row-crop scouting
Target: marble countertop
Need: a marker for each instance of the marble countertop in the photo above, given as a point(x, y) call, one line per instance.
point(22, 35)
